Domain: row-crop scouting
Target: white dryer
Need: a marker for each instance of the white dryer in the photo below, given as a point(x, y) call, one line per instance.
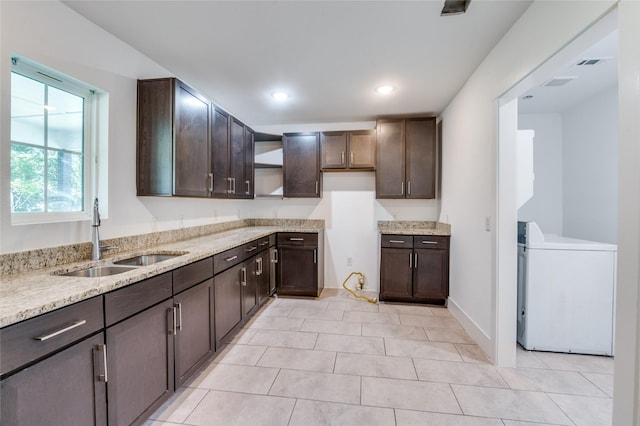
point(566, 293)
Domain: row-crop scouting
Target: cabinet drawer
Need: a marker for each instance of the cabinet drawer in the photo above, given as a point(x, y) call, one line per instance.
point(192, 274)
point(431, 242)
point(397, 241)
point(250, 249)
point(298, 238)
point(34, 338)
point(127, 301)
point(227, 259)
point(272, 240)
point(263, 243)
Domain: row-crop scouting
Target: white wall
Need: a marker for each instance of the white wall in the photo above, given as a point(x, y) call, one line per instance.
point(59, 38)
point(470, 150)
point(590, 164)
point(545, 207)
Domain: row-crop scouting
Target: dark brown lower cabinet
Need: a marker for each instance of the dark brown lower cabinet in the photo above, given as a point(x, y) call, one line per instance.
point(194, 339)
point(409, 272)
point(263, 273)
point(228, 303)
point(300, 264)
point(140, 364)
point(64, 389)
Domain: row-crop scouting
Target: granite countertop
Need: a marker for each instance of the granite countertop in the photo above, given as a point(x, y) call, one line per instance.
point(30, 294)
point(404, 227)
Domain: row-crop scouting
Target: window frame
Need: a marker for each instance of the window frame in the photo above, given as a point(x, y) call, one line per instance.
point(50, 77)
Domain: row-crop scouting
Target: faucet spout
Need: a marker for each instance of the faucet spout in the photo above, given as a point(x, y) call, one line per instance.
point(96, 253)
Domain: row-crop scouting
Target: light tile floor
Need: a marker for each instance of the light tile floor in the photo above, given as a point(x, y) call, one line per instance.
point(341, 361)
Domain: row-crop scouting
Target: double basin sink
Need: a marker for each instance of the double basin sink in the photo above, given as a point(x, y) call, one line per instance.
point(121, 266)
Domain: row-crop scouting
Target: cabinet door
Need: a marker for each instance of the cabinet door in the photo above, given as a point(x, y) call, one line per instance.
point(431, 276)
point(228, 302)
point(236, 159)
point(301, 156)
point(61, 390)
point(396, 266)
point(421, 157)
point(194, 340)
point(155, 137)
point(249, 287)
point(390, 163)
point(263, 266)
point(249, 159)
point(140, 364)
point(298, 270)
point(220, 153)
point(333, 150)
point(191, 164)
point(362, 149)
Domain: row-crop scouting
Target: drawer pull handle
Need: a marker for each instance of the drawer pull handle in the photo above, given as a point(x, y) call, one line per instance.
point(178, 306)
point(231, 258)
point(397, 241)
point(62, 330)
point(251, 249)
point(104, 377)
point(429, 242)
point(264, 243)
point(243, 278)
point(296, 239)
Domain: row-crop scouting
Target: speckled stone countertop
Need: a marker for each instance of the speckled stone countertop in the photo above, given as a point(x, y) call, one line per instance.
point(405, 227)
point(29, 294)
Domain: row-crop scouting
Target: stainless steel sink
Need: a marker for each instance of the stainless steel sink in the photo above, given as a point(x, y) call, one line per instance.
point(147, 259)
point(99, 271)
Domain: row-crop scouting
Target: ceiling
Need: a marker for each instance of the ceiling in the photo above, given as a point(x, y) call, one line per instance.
point(584, 81)
point(328, 55)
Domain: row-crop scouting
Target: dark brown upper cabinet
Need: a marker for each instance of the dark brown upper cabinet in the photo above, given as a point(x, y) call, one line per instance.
point(348, 151)
point(406, 158)
point(172, 139)
point(301, 165)
point(231, 156)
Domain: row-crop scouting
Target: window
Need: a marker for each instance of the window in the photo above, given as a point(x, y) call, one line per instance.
point(51, 145)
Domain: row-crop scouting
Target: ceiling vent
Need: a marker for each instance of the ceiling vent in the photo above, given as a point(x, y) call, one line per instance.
point(454, 7)
point(589, 62)
point(559, 81)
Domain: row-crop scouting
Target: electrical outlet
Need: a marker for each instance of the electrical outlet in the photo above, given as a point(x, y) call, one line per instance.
point(349, 261)
point(487, 223)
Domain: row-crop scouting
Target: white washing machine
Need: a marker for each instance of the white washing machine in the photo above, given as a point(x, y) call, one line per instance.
point(566, 293)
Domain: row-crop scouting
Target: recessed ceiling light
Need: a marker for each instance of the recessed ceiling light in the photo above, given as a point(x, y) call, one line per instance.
point(385, 90)
point(280, 96)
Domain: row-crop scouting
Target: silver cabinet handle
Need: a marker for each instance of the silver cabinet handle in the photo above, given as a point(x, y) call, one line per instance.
point(353, 157)
point(402, 189)
point(254, 248)
point(259, 266)
point(429, 242)
point(210, 182)
point(103, 377)
point(248, 187)
point(229, 259)
point(409, 188)
point(75, 324)
point(243, 281)
point(315, 255)
point(296, 239)
point(410, 260)
point(397, 241)
point(275, 256)
point(316, 187)
point(174, 321)
point(342, 158)
point(178, 306)
point(264, 243)
point(415, 263)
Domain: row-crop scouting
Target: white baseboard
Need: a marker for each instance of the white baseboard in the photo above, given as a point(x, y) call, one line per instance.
point(477, 334)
